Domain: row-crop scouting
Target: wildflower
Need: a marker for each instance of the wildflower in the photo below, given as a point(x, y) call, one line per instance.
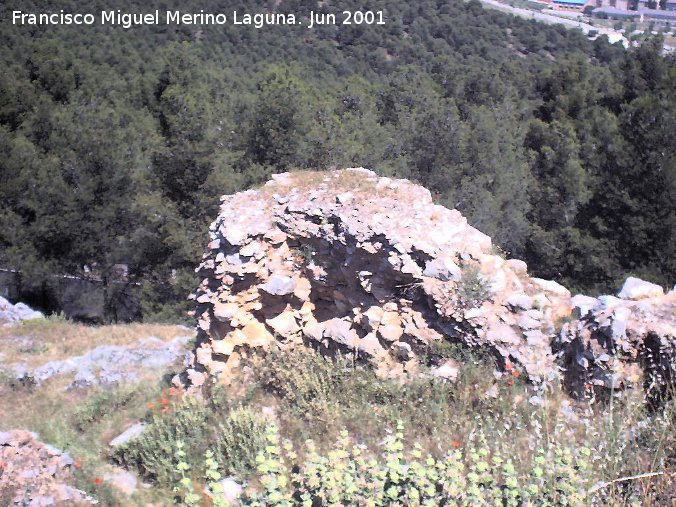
point(2, 465)
point(164, 401)
point(515, 373)
point(78, 463)
point(587, 386)
point(173, 391)
point(508, 366)
point(97, 481)
point(150, 404)
point(165, 410)
point(456, 444)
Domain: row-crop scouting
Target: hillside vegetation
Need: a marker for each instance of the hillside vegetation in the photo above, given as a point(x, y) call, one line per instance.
point(116, 144)
point(299, 427)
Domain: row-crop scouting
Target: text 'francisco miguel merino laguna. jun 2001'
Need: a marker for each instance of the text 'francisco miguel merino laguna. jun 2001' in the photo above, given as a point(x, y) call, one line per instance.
point(258, 20)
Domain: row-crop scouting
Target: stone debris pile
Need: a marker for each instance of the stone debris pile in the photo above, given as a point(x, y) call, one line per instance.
point(37, 474)
point(349, 262)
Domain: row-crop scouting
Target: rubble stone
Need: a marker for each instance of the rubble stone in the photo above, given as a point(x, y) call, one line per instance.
point(35, 473)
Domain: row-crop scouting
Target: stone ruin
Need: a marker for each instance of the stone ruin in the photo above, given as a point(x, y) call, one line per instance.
point(349, 262)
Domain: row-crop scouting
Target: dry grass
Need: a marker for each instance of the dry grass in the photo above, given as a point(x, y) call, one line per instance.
point(38, 341)
point(80, 421)
point(338, 181)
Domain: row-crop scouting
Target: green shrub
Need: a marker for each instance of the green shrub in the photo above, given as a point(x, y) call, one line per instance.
point(235, 436)
point(472, 289)
point(483, 441)
point(153, 453)
point(304, 379)
point(239, 439)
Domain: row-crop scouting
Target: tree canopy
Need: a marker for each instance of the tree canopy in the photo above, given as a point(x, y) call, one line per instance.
point(116, 144)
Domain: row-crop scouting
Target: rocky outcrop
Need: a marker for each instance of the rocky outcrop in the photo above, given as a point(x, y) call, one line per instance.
point(34, 473)
point(11, 314)
point(105, 365)
point(349, 262)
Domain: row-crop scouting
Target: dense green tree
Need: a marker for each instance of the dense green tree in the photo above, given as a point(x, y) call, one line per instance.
point(115, 145)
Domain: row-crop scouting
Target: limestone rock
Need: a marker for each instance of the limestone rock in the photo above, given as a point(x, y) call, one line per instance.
point(635, 288)
point(370, 345)
point(340, 331)
point(314, 331)
point(36, 473)
point(443, 269)
point(129, 434)
point(447, 371)
point(373, 317)
point(257, 335)
point(225, 311)
point(284, 324)
point(582, 305)
point(390, 332)
point(279, 285)
point(616, 338)
point(551, 286)
point(11, 314)
point(519, 302)
point(122, 480)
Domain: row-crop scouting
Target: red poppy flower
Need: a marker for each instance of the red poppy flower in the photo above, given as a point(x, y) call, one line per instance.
point(456, 444)
point(97, 481)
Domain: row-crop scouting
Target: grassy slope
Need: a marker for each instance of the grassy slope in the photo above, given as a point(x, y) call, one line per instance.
point(79, 421)
point(309, 398)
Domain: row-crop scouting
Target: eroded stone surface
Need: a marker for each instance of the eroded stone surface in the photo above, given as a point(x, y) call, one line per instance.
point(106, 365)
point(347, 261)
point(618, 343)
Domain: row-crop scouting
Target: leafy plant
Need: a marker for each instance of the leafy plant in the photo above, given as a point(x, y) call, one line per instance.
point(185, 487)
point(153, 452)
point(472, 288)
point(477, 475)
point(239, 439)
point(304, 379)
